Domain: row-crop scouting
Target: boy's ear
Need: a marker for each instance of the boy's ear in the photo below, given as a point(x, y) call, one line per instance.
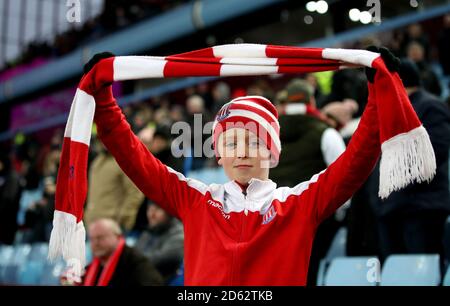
point(219, 161)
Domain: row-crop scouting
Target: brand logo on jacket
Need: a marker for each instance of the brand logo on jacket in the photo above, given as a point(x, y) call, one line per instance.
point(269, 215)
point(220, 207)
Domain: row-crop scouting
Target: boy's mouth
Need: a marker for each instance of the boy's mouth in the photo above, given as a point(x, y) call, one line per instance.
point(243, 166)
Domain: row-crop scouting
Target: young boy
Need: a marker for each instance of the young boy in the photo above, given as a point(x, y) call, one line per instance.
point(248, 231)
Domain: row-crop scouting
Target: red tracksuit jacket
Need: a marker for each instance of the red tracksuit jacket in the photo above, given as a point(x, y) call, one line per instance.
point(261, 238)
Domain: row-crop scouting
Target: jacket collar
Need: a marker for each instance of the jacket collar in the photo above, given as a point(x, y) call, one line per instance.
point(257, 190)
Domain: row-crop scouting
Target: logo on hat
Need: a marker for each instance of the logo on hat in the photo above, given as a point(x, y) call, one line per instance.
point(224, 112)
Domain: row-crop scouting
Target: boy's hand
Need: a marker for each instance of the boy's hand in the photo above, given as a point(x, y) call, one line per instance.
point(97, 76)
point(95, 59)
point(390, 60)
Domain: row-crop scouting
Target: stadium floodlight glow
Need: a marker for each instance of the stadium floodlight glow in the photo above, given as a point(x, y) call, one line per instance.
point(311, 6)
point(365, 17)
point(321, 7)
point(354, 14)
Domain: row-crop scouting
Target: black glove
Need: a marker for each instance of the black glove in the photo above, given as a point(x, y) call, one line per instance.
point(390, 60)
point(95, 59)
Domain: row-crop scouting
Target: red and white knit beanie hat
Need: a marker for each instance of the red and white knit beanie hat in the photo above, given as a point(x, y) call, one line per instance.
point(254, 113)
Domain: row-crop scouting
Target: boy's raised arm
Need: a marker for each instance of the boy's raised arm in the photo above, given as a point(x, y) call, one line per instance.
point(166, 187)
point(331, 188)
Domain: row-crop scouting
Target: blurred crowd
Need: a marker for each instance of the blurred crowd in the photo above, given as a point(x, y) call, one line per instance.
point(335, 101)
point(116, 14)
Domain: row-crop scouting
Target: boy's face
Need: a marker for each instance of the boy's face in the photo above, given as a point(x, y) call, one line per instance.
point(243, 155)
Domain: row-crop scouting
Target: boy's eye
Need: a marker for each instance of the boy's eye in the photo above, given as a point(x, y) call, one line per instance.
point(230, 145)
point(254, 143)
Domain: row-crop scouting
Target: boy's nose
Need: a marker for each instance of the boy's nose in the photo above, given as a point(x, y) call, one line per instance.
point(242, 151)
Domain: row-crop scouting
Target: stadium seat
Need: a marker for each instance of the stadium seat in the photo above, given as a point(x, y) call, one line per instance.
point(39, 251)
point(447, 240)
point(353, 271)
point(178, 279)
point(31, 272)
point(10, 274)
point(337, 249)
point(11, 260)
point(411, 270)
point(51, 273)
point(21, 253)
point(6, 253)
point(446, 281)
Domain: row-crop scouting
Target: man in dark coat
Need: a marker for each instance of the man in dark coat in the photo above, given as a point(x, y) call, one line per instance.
point(114, 263)
point(163, 241)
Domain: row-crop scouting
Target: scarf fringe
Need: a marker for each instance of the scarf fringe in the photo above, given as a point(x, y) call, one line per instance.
point(406, 158)
point(68, 240)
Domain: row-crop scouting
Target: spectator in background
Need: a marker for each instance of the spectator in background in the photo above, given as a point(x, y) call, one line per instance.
point(309, 146)
point(158, 141)
point(177, 113)
point(261, 88)
point(348, 84)
point(197, 116)
point(204, 91)
point(162, 241)
point(111, 193)
point(114, 263)
point(414, 33)
point(340, 113)
point(312, 79)
point(10, 190)
point(32, 191)
point(412, 220)
point(39, 216)
point(430, 82)
point(221, 94)
point(444, 45)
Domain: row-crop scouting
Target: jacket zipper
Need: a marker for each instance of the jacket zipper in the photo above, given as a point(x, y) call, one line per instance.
point(241, 233)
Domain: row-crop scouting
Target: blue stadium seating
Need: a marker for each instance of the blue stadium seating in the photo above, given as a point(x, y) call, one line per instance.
point(39, 251)
point(12, 259)
point(21, 253)
point(31, 272)
point(6, 253)
point(178, 279)
point(447, 240)
point(10, 274)
point(88, 253)
point(446, 281)
point(51, 273)
point(411, 270)
point(337, 249)
point(353, 271)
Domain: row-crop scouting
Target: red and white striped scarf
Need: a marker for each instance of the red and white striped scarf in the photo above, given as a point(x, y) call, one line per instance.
point(407, 154)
